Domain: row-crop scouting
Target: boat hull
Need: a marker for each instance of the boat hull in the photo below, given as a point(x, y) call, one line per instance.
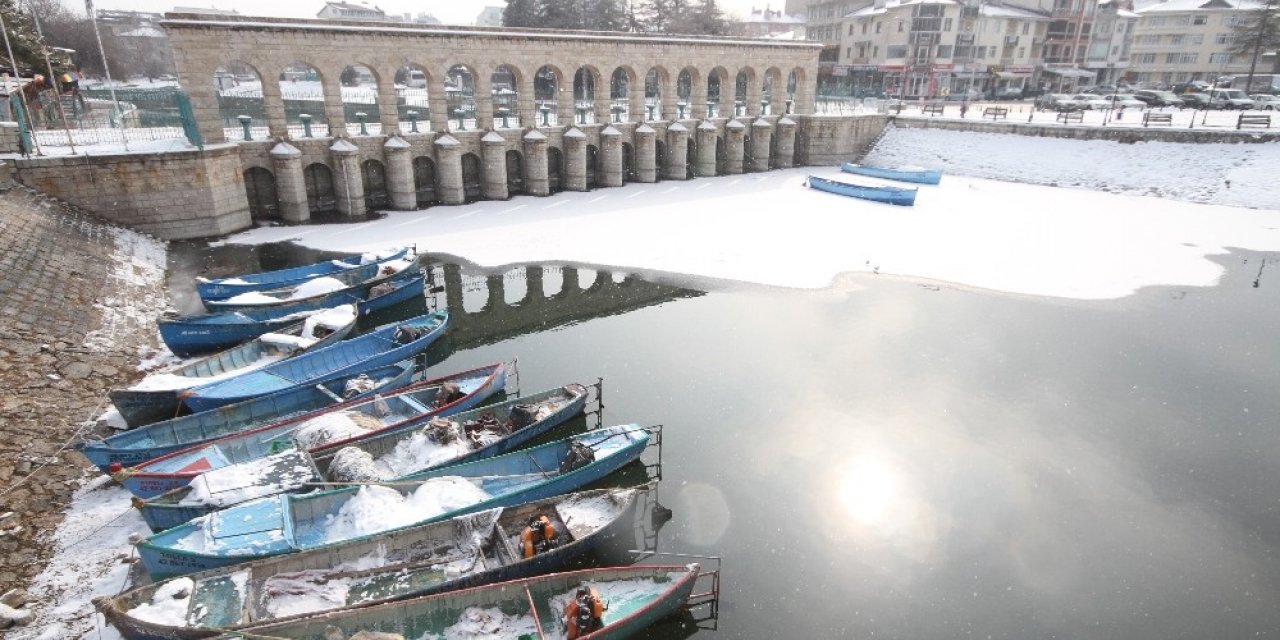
point(923, 176)
point(223, 288)
point(886, 195)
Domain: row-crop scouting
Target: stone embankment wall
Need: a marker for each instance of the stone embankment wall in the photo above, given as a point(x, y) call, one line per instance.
point(1115, 134)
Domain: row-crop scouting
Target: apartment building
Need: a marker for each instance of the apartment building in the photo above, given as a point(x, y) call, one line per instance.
point(934, 48)
point(1180, 40)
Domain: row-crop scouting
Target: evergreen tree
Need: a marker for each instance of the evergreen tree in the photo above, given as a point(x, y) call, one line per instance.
point(521, 13)
point(1258, 33)
point(27, 49)
point(560, 14)
point(706, 19)
point(606, 15)
point(661, 16)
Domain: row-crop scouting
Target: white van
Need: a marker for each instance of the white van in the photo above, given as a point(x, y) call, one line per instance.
point(416, 79)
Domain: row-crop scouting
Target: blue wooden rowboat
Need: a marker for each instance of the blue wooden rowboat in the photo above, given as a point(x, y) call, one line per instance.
point(383, 455)
point(205, 333)
point(177, 469)
point(142, 405)
point(221, 288)
point(290, 522)
point(918, 176)
point(887, 195)
point(355, 282)
point(384, 345)
point(527, 609)
point(134, 447)
point(447, 555)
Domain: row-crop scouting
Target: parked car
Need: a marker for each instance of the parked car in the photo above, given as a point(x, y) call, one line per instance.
point(1235, 98)
point(1102, 89)
point(1007, 93)
point(1266, 101)
point(1090, 101)
point(1193, 86)
point(1157, 98)
point(968, 94)
point(1203, 101)
point(1123, 101)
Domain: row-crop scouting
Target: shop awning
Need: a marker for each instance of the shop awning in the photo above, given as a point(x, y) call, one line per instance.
point(1009, 75)
point(1070, 73)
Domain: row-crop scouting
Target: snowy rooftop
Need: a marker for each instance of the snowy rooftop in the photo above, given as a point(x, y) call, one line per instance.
point(1177, 6)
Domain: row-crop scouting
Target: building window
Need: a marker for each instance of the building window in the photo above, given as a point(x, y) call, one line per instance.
point(944, 51)
point(1195, 38)
point(1182, 21)
point(1026, 28)
point(877, 27)
point(1200, 20)
point(875, 51)
point(848, 52)
point(1220, 58)
point(1146, 58)
point(1177, 39)
point(946, 24)
point(1181, 58)
point(864, 28)
point(896, 51)
point(1156, 21)
point(901, 26)
point(1022, 52)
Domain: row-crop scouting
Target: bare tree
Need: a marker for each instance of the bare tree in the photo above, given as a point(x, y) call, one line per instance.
point(1258, 32)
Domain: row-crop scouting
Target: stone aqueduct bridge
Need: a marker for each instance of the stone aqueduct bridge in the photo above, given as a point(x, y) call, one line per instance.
point(192, 194)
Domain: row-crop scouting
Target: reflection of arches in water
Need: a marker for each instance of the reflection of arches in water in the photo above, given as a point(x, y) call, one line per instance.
point(260, 187)
point(514, 286)
point(471, 176)
point(593, 166)
point(628, 163)
point(552, 281)
point(319, 183)
point(555, 169)
point(586, 278)
point(515, 172)
point(374, 175)
point(424, 180)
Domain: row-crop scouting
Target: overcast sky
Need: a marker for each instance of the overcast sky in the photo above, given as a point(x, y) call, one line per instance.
point(448, 11)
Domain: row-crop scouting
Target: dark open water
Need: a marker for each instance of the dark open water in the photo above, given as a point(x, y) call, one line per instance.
point(886, 459)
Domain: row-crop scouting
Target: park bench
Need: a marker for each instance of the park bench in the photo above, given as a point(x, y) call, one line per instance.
point(1253, 120)
point(932, 109)
point(1149, 118)
point(1067, 117)
point(995, 112)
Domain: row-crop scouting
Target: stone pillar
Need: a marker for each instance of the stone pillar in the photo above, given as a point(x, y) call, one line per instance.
point(334, 114)
point(195, 75)
point(348, 184)
point(496, 286)
point(734, 138)
point(532, 286)
point(705, 159)
point(677, 152)
point(438, 104)
point(484, 101)
point(761, 137)
point(273, 105)
point(388, 108)
point(575, 160)
point(611, 155)
point(291, 185)
point(603, 104)
point(646, 154)
point(536, 180)
point(697, 99)
point(449, 187)
point(566, 114)
point(668, 99)
point(493, 152)
point(453, 295)
point(526, 108)
point(404, 197)
point(636, 97)
point(805, 95)
point(755, 89)
point(786, 133)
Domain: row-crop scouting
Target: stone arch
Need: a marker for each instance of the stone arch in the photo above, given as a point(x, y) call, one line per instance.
point(742, 91)
point(593, 166)
point(374, 175)
point(586, 87)
point(472, 176)
point(620, 83)
point(359, 85)
point(302, 91)
point(319, 183)
point(460, 96)
point(413, 83)
point(237, 86)
point(548, 84)
point(628, 162)
point(260, 188)
point(504, 85)
point(686, 81)
point(718, 89)
point(424, 181)
point(515, 172)
point(657, 86)
point(555, 169)
point(770, 88)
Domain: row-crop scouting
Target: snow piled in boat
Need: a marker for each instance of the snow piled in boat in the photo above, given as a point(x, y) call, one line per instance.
point(168, 604)
point(308, 289)
point(374, 508)
point(245, 481)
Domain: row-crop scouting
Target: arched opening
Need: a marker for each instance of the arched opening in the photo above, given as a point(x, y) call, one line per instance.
point(319, 183)
point(628, 162)
point(793, 80)
point(460, 98)
point(684, 94)
point(747, 142)
point(260, 187)
point(690, 155)
point(620, 95)
point(360, 100)
point(412, 83)
point(515, 172)
point(302, 91)
point(740, 94)
point(555, 169)
point(653, 82)
point(593, 165)
point(584, 95)
point(374, 175)
point(660, 160)
point(504, 84)
point(471, 176)
point(424, 181)
point(546, 87)
point(721, 158)
point(715, 81)
point(238, 90)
